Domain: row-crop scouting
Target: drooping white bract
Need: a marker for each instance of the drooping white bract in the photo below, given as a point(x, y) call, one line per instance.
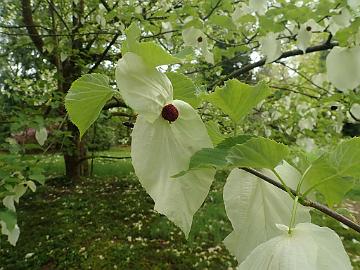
point(161, 149)
point(305, 34)
point(308, 247)
point(259, 6)
point(194, 37)
point(270, 47)
point(339, 21)
point(254, 207)
point(343, 67)
point(13, 235)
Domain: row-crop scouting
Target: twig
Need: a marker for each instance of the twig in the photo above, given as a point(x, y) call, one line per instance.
point(247, 68)
point(103, 55)
point(306, 202)
point(212, 11)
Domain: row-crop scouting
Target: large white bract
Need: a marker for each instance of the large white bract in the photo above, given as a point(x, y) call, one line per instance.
point(254, 207)
point(343, 67)
point(161, 149)
point(270, 47)
point(308, 247)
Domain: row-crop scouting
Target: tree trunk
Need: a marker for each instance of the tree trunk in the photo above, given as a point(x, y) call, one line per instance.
point(74, 154)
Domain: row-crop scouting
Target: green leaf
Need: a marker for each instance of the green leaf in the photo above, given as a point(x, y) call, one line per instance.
point(214, 157)
point(258, 153)
point(40, 178)
point(86, 98)
point(236, 99)
point(9, 217)
point(184, 88)
point(334, 173)
point(214, 132)
point(153, 54)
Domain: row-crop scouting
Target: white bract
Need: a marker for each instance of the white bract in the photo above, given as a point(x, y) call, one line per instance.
point(241, 10)
point(355, 110)
point(354, 4)
point(254, 207)
point(167, 27)
point(258, 6)
point(343, 67)
point(13, 235)
point(161, 149)
point(194, 37)
point(339, 21)
point(305, 34)
point(270, 47)
point(308, 247)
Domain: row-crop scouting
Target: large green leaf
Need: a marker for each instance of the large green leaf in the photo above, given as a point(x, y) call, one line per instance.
point(86, 98)
point(153, 54)
point(333, 174)
point(237, 99)
point(184, 88)
point(258, 153)
point(215, 157)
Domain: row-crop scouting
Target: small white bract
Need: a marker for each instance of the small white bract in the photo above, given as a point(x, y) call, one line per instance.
point(161, 148)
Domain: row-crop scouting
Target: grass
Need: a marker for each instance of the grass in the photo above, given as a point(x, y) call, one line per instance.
point(107, 222)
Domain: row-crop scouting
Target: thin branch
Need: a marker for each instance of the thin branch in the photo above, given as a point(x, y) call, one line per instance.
point(58, 35)
point(103, 55)
point(247, 68)
point(212, 10)
point(302, 75)
point(158, 34)
point(106, 157)
point(115, 103)
point(294, 91)
point(108, 9)
point(58, 14)
point(306, 202)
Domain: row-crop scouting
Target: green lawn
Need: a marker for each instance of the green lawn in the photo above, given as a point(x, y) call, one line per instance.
point(107, 222)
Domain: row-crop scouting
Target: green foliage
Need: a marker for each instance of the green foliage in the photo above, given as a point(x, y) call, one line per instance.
point(184, 88)
point(86, 98)
point(236, 99)
point(258, 153)
point(334, 173)
point(153, 54)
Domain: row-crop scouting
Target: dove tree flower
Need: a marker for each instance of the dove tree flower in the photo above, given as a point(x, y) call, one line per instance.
point(194, 37)
point(308, 246)
point(166, 134)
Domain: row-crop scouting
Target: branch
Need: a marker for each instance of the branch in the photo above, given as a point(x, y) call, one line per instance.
point(103, 55)
point(106, 6)
point(51, 4)
point(306, 202)
point(115, 103)
point(247, 68)
point(294, 91)
point(89, 157)
point(212, 10)
point(30, 26)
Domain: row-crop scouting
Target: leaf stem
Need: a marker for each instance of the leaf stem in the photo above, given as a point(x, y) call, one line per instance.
point(293, 214)
point(287, 189)
point(305, 202)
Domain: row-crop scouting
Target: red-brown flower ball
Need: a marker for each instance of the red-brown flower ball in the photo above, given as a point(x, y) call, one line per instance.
point(170, 112)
